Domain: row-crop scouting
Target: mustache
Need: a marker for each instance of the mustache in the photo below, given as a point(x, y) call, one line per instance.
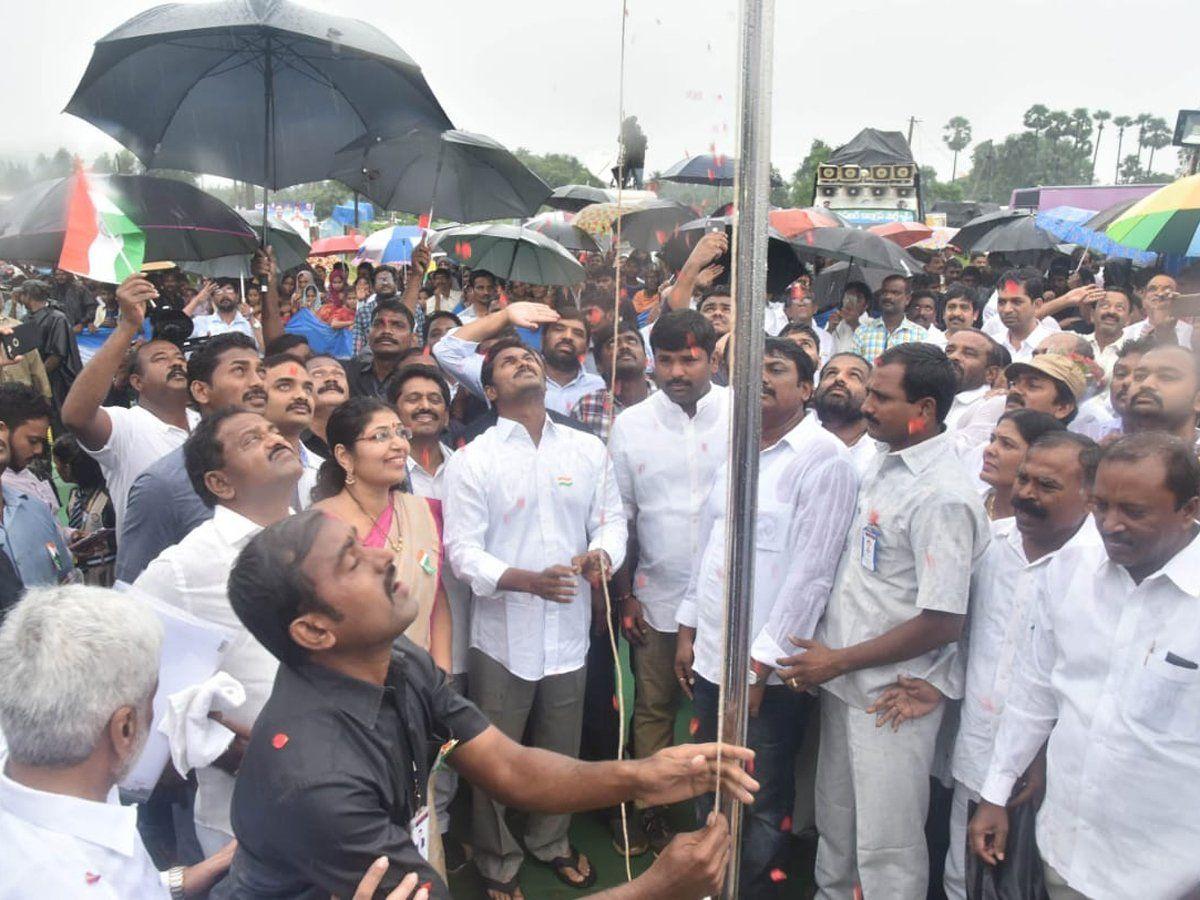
point(177, 370)
point(255, 393)
point(1149, 394)
point(331, 385)
point(1029, 507)
point(299, 405)
point(279, 448)
point(1014, 399)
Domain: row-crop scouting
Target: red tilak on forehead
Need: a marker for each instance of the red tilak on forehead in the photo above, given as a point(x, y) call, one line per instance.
point(1012, 287)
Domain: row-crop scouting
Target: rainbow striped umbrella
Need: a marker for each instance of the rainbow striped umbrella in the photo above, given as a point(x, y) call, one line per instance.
point(1167, 221)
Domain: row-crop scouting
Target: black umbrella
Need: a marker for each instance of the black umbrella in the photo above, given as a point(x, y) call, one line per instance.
point(574, 197)
point(462, 176)
point(1016, 236)
point(264, 91)
point(180, 221)
point(979, 226)
point(707, 168)
point(1109, 214)
point(557, 226)
point(783, 266)
point(653, 223)
point(868, 250)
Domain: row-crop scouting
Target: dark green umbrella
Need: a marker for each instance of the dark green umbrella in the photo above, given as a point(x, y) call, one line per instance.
point(510, 252)
point(574, 197)
point(652, 223)
point(854, 245)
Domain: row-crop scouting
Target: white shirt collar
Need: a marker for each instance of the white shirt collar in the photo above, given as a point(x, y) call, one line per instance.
point(107, 824)
point(1183, 568)
point(968, 397)
point(233, 528)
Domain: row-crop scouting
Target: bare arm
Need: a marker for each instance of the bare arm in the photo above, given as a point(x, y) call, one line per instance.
point(265, 265)
point(521, 315)
point(710, 247)
point(441, 630)
point(416, 275)
point(540, 781)
point(201, 295)
point(1080, 296)
point(81, 410)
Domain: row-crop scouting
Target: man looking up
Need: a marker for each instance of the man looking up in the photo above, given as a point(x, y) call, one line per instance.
point(666, 452)
point(853, 313)
point(716, 305)
point(1165, 393)
point(800, 310)
point(332, 390)
point(598, 409)
point(388, 339)
point(532, 510)
point(898, 603)
point(1019, 296)
point(125, 442)
point(564, 340)
point(891, 328)
point(243, 470)
point(331, 612)
point(481, 291)
point(163, 506)
point(978, 362)
point(290, 398)
point(1107, 682)
point(806, 490)
point(838, 402)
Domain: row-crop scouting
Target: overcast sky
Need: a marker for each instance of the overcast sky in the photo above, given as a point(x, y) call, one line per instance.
point(544, 74)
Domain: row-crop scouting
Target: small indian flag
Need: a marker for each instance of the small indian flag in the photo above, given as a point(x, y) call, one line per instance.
point(564, 480)
point(101, 243)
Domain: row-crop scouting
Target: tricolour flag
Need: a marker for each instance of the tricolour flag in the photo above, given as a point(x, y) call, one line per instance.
point(101, 243)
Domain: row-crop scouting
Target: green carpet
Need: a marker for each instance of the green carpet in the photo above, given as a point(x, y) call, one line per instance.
point(590, 835)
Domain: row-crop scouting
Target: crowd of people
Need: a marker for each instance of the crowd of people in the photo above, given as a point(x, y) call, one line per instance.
point(975, 596)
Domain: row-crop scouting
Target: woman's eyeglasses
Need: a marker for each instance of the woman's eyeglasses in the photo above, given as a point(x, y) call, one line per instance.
point(384, 435)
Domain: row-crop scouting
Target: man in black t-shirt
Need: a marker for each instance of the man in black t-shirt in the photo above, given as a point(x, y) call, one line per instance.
point(337, 771)
point(56, 338)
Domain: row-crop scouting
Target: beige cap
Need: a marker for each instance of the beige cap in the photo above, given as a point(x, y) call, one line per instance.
point(1059, 366)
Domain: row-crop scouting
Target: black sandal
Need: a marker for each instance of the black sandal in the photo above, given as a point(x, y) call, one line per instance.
point(561, 863)
point(507, 888)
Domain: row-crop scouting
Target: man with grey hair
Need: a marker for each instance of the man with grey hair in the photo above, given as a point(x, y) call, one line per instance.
point(80, 670)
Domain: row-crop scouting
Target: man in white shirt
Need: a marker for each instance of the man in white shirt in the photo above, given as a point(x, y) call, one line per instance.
point(838, 404)
point(533, 513)
point(1110, 318)
point(806, 490)
point(1051, 503)
point(242, 466)
point(960, 309)
point(800, 310)
point(1101, 415)
point(80, 670)
point(898, 605)
point(979, 363)
point(853, 313)
point(1019, 295)
point(666, 451)
point(564, 345)
point(1109, 681)
point(291, 398)
point(1158, 299)
point(922, 310)
point(126, 441)
point(227, 318)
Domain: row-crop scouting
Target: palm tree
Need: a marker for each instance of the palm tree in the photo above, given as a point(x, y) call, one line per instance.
point(1037, 117)
point(1141, 122)
point(1081, 120)
point(1122, 122)
point(1101, 116)
point(1158, 135)
point(956, 134)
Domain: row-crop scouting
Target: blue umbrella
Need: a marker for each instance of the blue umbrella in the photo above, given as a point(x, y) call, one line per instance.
point(1069, 224)
point(391, 245)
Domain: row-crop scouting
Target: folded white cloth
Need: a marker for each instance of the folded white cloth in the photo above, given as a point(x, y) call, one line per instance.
point(195, 739)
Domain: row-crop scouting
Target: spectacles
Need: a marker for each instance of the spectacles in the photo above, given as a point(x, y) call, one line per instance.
point(384, 435)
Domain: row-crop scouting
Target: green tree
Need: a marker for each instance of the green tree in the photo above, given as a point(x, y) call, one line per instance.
point(1081, 125)
point(1025, 160)
point(1121, 123)
point(1058, 125)
point(1142, 120)
point(957, 135)
point(1100, 116)
point(804, 179)
point(557, 169)
point(1036, 118)
point(933, 190)
point(1158, 135)
point(324, 195)
point(1131, 169)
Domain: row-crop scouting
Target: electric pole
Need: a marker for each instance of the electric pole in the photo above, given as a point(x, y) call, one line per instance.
point(912, 120)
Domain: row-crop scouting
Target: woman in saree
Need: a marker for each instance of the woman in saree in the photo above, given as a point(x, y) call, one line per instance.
point(364, 483)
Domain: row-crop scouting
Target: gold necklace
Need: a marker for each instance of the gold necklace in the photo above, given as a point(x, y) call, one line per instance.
point(397, 548)
point(990, 504)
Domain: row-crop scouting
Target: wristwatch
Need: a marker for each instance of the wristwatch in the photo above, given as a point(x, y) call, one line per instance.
point(175, 883)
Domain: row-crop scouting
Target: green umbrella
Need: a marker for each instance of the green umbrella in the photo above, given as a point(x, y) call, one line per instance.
point(511, 252)
point(291, 249)
point(1167, 221)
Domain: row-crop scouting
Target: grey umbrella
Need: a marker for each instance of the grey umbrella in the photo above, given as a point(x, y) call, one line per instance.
point(557, 226)
point(459, 175)
point(979, 226)
point(291, 249)
point(511, 252)
point(653, 223)
point(264, 91)
point(574, 197)
point(180, 221)
point(868, 250)
point(1016, 236)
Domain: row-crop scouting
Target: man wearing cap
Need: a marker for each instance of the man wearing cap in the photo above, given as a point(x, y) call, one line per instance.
point(1050, 382)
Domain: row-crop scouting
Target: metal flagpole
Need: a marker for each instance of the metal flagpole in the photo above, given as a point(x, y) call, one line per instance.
point(749, 253)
